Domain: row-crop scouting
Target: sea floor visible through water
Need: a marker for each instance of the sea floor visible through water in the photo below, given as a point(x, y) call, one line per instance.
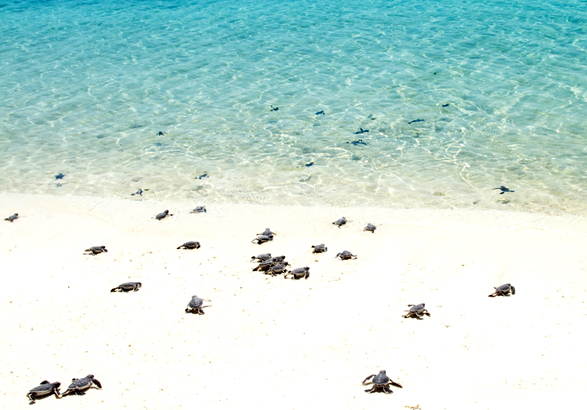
point(266, 102)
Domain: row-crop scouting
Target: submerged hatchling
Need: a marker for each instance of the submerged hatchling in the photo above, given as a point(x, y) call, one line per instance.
point(12, 217)
point(503, 190)
point(45, 388)
point(370, 228)
point(320, 112)
point(274, 108)
point(413, 121)
point(80, 386)
point(127, 287)
point(96, 250)
point(162, 215)
point(417, 311)
point(139, 192)
point(345, 255)
point(298, 273)
point(199, 210)
point(361, 131)
point(380, 382)
point(189, 245)
point(195, 306)
point(262, 239)
point(340, 222)
point(319, 248)
point(357, 142)
point(59, 176)
point(160, 133)
point(504, 290)
point(205, 175)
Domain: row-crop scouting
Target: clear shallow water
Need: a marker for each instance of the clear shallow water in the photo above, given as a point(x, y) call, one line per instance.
point(86, 87)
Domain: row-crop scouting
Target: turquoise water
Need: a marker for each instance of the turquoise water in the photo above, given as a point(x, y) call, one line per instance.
point(501, 86)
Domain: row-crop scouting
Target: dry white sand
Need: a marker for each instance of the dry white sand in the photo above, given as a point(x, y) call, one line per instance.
point(269, 342)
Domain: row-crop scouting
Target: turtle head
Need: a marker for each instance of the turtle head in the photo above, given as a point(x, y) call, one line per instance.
point(56, 385)
point(90, 376)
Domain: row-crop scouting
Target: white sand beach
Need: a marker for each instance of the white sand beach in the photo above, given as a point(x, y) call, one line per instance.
point(290, 344)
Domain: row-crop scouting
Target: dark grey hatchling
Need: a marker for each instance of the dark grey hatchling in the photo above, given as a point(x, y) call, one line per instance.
point(189, 245)
point(127, 287)
point(298, 273)
point(12, 217)
point(199, 210)
point(162, 215)
point(345, 255)
point(44, 389)
point(417, 311)
point(370, 228)
point(261, 258)
point(340, 222)
point(504, 290)
point(267, 232)
point(96, 250)
point(262, 239)
point(319, 248)
point(80, 386)
point(195, 306)
point(380, 382)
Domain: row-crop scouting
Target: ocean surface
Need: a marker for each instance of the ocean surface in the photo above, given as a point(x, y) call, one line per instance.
point(261, 101)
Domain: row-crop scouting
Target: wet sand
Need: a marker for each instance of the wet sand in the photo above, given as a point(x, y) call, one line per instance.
point(290, 344)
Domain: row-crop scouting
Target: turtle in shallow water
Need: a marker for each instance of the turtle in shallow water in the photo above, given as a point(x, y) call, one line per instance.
point(80, 386)
point(504, 290)
point(381, 382)
point(199, 210)
point(189, 245)
point(127, 287)
point(319, 248)
point(44, 389)
point(162, 215)
point(340, 222)
point(503, 190)
point(195, 306)
point(344, 255)
point(262, 239)
point(298, 273)
point(95, 250)
point(12, 217)
point(370, 227)
point(417, 311)
point(261, 258)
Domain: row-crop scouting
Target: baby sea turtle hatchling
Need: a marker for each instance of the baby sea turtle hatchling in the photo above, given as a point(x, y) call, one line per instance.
point(344, 255)
point(504, 290)
point(319, 248)
point(260, 258)
point(503, 190)
point(199, 210)
point(80, 386)
point(370, 227)
point(417, 311)
point(44, 389)
point(298, 273)
point(189, 245)
point(162, 215)
point(195, 306)
point(95, 250)
point(127, 287)
point(381, 382)
point(267, 232)
point(340, 222)
point(12, 217)
point(278, 269)
point(262, 239)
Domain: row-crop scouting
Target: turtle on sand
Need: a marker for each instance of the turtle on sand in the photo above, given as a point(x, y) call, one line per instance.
point(260, 258)
point(80, 386)
point(370, 228)
point(380, 382)
point(344, 255)
point(262, 239)
point(195, 306)
point(44, 389)
point(199, 210)
point(127, 287)
point(319, 248)
point(340, 222)
point(12, 217)
point(189, 245)
point(417, 311)
point(162, 215)
point(504, 290)
point(298, 273)
point(95, 250)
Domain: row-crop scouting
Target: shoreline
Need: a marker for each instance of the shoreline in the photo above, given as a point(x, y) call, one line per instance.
point(264, 340)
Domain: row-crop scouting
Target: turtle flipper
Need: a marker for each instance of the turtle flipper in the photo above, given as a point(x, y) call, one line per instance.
point(97, 383)
point(396, 384)
point(513, 290)
point(367, 378)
